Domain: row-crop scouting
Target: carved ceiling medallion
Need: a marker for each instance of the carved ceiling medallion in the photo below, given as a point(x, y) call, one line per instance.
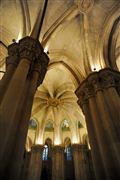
point(85, 6)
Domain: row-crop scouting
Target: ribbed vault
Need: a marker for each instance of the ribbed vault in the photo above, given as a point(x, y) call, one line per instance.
point(79, 36)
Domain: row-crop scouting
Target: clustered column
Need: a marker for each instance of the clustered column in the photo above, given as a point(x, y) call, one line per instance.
point(27, 74)
point(99, 98)
point(11, 63)
point(25, 166)
point(35, 162)
point(81, 162)
point(58, 163)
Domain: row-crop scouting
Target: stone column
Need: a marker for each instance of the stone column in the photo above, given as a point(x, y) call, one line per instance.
point(29, 74)
point(76, 159)
point(8, 121)
point(11, 63)
point(85, 162)
point(96, 157)
point(58, 163)
point(21, 134)
point(25, 168)
point(97, 90)
point(81, 162)
point(35, 162)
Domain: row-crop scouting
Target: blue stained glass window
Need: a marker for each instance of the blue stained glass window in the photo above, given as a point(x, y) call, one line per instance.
point(45, 153)
point(68, 153)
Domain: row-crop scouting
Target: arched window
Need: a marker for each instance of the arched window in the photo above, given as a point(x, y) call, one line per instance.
point(47, 150)
point(45, 153)
point(68, 152)
point(65, 125)
point(33, 124)
point(68, 149)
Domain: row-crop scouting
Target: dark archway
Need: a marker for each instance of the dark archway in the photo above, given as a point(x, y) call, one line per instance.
point(47, 160)
point(68, 160)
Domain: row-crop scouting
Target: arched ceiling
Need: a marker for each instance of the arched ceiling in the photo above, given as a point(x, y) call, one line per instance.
point(57, 98)
point(73, 30)
point(75, 34)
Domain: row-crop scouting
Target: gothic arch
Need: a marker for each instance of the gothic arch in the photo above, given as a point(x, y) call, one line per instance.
point(106, 34)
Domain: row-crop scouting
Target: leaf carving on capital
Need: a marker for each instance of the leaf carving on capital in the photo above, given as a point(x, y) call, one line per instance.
point(13, 54)
point(85, 6)
point(107, 78)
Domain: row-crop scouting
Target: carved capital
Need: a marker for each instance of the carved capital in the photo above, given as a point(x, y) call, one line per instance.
point(30, 48)
point(37, 149)
point(43, 64)
point(13, 54)
point(75, 147)
point(79, 147)
point(85, 6)
point(107, 78)
point(95, 82)
point(89, 90)
point(58, 149)
point(80, 92)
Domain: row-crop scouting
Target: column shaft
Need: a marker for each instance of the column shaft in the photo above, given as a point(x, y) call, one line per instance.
point(14, 120)
point(95, 151)
point(81, 162)
point(99, 90)
point(58, 163)
point(21, 134)
point(35, 162)
point(14, 93)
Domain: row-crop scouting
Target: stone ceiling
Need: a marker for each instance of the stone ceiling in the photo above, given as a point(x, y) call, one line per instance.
point(75, 34)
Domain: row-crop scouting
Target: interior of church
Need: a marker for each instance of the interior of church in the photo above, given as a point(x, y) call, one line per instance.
point(59, 89)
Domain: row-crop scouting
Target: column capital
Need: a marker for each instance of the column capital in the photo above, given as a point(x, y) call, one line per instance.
point(30, 48)
point(37, 148)
point(13, 54)
point(41, 67)
point(79, 147)
point(58, 149)
point(107, 78)
point(97, 81)
point(75, 147)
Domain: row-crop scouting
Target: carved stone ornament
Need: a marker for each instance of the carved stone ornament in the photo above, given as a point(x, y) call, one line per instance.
point(107, 78)
point(85, 6)
point(37, 148)
point(30, 48)
point(75, 147)
point(13, 54)
point(80, 147)
point(97, 81)
point(58, 149)
point(80, 92)
point(43, 61)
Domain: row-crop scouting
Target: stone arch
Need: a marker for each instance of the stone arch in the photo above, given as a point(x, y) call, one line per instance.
point(68, 148)
point(49, 127)
point(67, 141)
point(28, 144)
point(85, 139)
point(103, 48)
point(115, 32)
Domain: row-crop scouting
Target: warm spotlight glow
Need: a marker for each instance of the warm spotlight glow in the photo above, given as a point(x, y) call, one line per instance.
point(46, 49)
point(95, 67)
point(28, 149)
point(89, 147)
point(75, 140)
point(57, 141)
point(39, 141)
point(19, 37)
